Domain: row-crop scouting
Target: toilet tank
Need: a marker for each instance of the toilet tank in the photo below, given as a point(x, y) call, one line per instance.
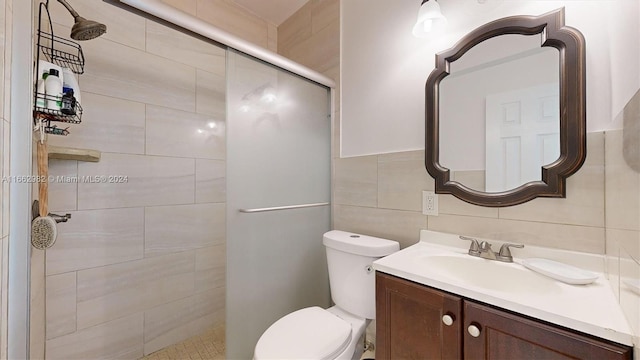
point(351, 278)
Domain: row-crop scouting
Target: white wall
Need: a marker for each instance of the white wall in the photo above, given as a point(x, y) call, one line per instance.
point(384, 68)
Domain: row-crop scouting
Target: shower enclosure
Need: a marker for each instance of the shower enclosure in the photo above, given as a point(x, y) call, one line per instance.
point(278, 190)
point(220, 221)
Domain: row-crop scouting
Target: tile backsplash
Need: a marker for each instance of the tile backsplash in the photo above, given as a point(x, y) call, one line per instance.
point(381, 195)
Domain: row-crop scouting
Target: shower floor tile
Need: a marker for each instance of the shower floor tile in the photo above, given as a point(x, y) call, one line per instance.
point(207, 346)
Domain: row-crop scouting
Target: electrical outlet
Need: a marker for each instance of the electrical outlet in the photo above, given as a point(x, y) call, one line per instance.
point(429, 203)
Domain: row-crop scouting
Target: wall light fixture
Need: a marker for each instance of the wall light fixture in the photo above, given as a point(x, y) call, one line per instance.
point(429, 18)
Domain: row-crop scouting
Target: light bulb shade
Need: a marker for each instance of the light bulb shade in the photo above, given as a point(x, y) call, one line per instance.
point(429, 17)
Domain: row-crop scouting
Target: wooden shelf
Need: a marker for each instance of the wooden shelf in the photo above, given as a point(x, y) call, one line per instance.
point(65, 153)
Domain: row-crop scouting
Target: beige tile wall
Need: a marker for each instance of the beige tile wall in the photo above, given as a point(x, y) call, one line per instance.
point(228, 16)
point(6, 11)
point(381, 195)
point(141, 264)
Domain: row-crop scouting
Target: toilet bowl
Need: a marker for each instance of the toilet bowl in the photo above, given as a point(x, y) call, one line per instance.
point(312, 333)
point(336, 332)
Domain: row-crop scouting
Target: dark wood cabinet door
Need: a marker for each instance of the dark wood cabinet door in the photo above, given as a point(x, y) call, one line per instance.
point(504, 335)
point(409, 321)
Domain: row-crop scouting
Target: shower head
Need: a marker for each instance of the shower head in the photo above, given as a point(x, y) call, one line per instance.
point(84, 29)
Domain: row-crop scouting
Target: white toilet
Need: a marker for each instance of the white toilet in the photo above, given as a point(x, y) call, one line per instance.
point(334, 333)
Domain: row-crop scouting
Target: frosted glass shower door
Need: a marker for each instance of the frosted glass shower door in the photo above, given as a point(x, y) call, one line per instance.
point(278, 155)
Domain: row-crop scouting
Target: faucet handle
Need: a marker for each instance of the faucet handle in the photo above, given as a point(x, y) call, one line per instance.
point(474, 249)
point(505, 252)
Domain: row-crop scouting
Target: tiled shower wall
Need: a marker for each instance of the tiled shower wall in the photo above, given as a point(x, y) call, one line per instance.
point(6, 11)
point(141, 263)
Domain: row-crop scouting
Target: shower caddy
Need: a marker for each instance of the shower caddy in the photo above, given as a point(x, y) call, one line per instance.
point(64, 53)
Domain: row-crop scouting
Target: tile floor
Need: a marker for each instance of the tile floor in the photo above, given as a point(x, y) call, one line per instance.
point(207, 346)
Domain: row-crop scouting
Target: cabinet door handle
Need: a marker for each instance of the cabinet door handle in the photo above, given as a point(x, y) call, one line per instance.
point(474, 330)
point(448, 319)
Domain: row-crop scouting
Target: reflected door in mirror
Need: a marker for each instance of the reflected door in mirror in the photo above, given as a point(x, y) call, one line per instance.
point(522, 135)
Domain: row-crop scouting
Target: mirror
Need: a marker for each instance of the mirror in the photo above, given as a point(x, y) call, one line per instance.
point(506, 122)
point(499, 124)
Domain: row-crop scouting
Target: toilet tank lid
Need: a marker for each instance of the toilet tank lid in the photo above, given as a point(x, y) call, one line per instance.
point(359, 244)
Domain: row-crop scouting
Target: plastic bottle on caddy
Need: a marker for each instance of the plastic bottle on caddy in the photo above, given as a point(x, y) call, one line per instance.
point(53, 89)
point(69, 81)
point(41, 102)
point(68, 102)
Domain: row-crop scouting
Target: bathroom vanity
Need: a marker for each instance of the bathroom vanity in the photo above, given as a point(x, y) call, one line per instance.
point(425, 310)
point(420, 322)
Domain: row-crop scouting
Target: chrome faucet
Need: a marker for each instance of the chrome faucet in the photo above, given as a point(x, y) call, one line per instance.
point(486, 252)
point(483, 250)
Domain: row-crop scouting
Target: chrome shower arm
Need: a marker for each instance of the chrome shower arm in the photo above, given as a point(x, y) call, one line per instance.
point(65, 4)
point(83, 29)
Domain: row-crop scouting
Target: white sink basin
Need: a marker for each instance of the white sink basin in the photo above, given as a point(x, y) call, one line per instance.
point(488, 274)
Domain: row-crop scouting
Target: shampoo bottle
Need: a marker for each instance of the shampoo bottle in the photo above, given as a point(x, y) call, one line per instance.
point(53, 89)
point(45, 66)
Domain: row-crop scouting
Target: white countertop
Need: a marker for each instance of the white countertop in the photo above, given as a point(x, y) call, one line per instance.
point(592, 308)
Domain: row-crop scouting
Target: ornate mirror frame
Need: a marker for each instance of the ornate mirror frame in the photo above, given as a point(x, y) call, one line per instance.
point(571, 47)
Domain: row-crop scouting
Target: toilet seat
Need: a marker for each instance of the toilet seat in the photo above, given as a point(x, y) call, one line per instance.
point(309, 333)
